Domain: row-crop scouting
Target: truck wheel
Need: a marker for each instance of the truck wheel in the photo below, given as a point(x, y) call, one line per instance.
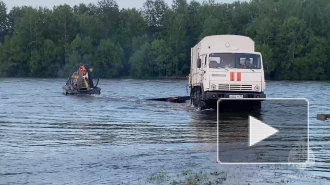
point(256, 106)
point(201, 103)
point(191, 97)
point(194, 97)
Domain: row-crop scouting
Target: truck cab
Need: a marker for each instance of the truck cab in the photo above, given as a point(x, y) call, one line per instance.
point(225, 66)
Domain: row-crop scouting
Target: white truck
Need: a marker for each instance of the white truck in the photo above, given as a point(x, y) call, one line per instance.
point(225, 66)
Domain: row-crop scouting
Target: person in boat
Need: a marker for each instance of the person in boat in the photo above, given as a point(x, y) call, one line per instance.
point(84, 71)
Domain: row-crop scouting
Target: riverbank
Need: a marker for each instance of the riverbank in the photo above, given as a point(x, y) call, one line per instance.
point(123, 77)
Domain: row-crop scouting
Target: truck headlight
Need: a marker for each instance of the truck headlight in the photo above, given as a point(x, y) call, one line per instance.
point(256, 88)
point(213, 86)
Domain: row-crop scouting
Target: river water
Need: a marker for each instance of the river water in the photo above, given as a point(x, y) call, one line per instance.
point(120, 138)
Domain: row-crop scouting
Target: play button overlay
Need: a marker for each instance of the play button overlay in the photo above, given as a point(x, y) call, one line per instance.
point(259, 131)
point(267, 135)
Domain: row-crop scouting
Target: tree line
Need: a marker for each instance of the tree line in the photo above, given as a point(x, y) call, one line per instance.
point(155, 41)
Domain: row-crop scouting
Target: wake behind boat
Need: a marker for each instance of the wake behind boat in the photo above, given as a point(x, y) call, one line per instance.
point(82, 82)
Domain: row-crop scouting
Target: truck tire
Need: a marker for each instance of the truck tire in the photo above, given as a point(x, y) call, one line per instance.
point(201, 104)
point(196, 98)
point(193, 96)
point(256, 107)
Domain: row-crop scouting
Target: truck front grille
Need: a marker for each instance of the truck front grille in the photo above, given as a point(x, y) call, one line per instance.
point(234, 87)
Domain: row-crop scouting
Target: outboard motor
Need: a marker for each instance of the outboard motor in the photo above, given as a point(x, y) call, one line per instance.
point(90, 79)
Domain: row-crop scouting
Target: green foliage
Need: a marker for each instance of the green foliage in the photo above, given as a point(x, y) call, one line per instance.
point(292, 35)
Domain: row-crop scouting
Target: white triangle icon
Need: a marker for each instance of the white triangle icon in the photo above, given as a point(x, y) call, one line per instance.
point(259, 131)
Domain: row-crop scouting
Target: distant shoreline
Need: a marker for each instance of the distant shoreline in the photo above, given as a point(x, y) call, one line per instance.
point(174, 78)
point(155, 78)
point(117, 78)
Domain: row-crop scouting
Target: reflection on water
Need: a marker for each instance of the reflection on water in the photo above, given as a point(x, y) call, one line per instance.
point(234, 134)
point(118, 138)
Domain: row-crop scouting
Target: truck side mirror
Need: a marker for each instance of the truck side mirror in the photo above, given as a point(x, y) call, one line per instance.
point(199, 63)
point(265, 67)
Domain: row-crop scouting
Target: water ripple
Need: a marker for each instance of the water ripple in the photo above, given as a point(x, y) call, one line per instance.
point(119, 138)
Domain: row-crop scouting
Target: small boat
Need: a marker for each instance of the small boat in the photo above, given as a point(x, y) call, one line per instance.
point(82, 82)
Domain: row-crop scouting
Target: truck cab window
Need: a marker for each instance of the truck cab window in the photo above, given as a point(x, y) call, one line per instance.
point(234, 60)
point(221, 61)
point(252, 62)
point(246, 62)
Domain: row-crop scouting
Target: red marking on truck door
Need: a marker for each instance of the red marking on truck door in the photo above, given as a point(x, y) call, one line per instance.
point(239, 76)
point(232, 76)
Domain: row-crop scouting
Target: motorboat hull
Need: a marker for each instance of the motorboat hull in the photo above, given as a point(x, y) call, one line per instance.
point(67, 90)
point(81, 82)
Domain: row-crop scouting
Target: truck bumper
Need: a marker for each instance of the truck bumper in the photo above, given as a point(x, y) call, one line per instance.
point(215, 95)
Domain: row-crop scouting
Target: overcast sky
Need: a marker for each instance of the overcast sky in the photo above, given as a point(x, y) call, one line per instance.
point(51, 3)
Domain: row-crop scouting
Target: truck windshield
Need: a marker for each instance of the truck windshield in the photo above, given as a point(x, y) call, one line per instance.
point(235, 60)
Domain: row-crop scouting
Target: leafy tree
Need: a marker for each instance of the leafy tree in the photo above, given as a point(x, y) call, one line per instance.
point(155, 41)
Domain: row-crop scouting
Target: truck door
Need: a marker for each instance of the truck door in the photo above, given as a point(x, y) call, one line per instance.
point(205, 75)
point(200, 71)
point(197, 70)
